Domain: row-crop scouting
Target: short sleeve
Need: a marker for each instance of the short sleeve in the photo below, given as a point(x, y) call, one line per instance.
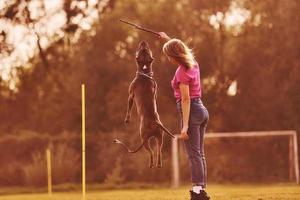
point(183, 77)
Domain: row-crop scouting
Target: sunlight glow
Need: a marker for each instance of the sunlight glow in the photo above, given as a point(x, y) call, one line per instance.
point(232, 90)
point(209, 82)
point(49, 28)
point(233, 19)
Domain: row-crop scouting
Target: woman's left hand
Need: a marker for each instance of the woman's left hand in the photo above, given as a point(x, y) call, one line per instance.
point(183, 135)
point(164, 36)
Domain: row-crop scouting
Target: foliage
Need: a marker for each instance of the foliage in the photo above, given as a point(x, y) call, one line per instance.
point(110, 164)
point(262, 58)
point(116, 177)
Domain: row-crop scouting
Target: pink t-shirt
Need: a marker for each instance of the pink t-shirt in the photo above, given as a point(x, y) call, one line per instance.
point(189, 77)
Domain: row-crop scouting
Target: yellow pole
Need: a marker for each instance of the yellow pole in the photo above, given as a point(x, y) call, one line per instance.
point(48, 154)
point(83, 139)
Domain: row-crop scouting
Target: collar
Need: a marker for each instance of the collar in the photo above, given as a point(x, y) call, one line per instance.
point(148, 75)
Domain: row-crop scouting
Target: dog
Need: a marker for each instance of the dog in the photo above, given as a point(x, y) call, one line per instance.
point(143, 91)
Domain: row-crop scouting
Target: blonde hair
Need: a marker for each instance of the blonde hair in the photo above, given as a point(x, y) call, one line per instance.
point(177, 50)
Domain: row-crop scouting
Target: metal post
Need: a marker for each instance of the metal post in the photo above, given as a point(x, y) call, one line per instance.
point(175, 163)
point(83, 140)
point(49, 174)
point(291, 159)
point(296, 162)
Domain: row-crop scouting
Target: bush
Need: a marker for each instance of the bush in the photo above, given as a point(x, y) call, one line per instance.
point(12, 174)
point(36, 171)
point(66, 164)
point(116, 176)
point(23, 160)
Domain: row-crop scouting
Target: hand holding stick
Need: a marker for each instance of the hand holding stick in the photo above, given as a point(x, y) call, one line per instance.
point(164, 36)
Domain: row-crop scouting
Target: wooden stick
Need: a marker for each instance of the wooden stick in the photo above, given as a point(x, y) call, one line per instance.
point(140, 27)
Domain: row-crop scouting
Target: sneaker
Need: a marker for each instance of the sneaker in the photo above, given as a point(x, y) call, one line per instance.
point(195, 196)
point(202, 196)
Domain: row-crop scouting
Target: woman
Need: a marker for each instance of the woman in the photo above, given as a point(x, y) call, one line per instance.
point(194, 116)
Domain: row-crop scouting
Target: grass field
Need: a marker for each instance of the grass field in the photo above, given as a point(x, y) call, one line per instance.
point(217, 192)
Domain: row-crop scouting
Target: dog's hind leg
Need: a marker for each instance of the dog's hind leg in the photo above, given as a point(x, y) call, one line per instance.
point(148, 148)
point(159, 145)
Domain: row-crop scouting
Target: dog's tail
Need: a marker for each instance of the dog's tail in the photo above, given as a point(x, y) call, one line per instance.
point(159, 124)
point(126, 147)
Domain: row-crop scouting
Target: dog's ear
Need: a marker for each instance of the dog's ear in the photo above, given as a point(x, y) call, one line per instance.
point(136, 55)
point(151, 55)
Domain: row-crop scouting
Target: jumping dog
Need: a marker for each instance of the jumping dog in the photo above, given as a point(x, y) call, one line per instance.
point(142, 91)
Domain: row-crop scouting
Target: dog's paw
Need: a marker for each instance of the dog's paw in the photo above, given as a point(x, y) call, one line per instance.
point(127, 120)
point(116, 141)
point(159, 165)
point(151, 165)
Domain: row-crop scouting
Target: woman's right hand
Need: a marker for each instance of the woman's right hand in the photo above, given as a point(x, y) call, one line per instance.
point(164, 36)
point(183, 134)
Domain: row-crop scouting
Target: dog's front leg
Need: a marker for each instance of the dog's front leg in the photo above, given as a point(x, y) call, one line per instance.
point(130, 101)
point(129, 108)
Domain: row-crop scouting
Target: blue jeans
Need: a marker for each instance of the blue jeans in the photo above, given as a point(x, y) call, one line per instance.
point(198, 120)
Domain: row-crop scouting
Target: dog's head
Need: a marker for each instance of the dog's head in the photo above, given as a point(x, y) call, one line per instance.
point(144, 57)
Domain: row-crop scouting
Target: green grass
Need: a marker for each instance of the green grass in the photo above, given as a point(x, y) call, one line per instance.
point(217, 192)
